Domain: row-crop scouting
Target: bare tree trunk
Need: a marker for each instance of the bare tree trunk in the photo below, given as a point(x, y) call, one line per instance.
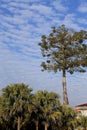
point(65, 96)
point(19, 120)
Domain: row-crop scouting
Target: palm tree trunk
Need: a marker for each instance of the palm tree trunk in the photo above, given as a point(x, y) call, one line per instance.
point(46, 125)
point(36, 124)
point(19, 120)
point(65, 96)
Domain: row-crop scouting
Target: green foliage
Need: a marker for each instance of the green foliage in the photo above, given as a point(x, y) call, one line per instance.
point(42, 110)
point(64, 49)
point(47, 101)
point(48, 104)
point(82, 122)
point(68, 118)
point(15, 100)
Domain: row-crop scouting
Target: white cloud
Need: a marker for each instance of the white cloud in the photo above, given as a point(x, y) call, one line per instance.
point(26, 1)
point(71, 21)
point(42, 9)
point(58, 4)
point(21, 27)
point(82, 21)
point(83, 7)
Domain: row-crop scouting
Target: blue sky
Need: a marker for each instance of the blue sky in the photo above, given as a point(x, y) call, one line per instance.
point(22, 22)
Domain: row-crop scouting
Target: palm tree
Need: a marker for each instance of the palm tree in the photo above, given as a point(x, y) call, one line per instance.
point(82, 121)
point(47, 102)
point(15, 101)
point(35, 112)
point(68, 118)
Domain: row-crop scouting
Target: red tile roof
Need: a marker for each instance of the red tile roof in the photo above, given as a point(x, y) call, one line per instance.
point(81, 105)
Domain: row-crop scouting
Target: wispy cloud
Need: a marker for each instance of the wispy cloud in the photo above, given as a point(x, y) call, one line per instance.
point(82, 20)
point(58, 5)
point(83, 7)
point(21, 26)
point(71, 21)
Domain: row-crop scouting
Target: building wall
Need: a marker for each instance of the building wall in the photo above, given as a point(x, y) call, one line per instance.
point(83, 112)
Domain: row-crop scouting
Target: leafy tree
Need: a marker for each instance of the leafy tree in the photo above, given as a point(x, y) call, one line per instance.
point(15, 101)
point(64, 50)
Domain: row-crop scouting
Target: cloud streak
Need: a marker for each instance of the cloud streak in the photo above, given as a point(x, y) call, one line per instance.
point(83, 7)
point(21, 26)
